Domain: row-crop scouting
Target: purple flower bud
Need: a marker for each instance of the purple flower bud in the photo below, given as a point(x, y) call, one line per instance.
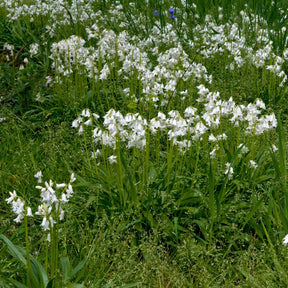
point(172, 16)
point(156, 12)
point(171, 10)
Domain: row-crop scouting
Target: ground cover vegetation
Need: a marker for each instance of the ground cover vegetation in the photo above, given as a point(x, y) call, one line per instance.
point(143, 143)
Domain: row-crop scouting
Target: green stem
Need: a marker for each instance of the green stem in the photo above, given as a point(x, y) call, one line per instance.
point(147, 160)
point(170, 148)
point(87, 154)
point(120, 182)
point(53, 252)
point(197, 159)
point(46, 257)
point(56, 239)
point(27, 250)
point(93, 146)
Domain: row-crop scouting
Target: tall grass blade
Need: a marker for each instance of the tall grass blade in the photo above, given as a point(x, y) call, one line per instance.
point(281, 271)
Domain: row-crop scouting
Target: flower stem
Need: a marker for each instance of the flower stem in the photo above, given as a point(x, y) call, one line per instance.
point(27, 250)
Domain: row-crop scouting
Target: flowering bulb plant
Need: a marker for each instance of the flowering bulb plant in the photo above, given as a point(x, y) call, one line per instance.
point(53, 197)
point(51, 208)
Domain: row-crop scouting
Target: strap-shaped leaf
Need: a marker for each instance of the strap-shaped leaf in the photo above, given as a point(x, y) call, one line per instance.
point(39, 273)
point(14, 250)
point(66, 268)
point(17, 284)
point(78, 267)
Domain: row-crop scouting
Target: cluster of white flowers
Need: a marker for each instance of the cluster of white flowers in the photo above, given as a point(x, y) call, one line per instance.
point(58, 12)
point(129, 53)
point(51, 202)
point(157, 82)
point(10, 48)
point(69, 54)
point(18, 207)
point(132, 128)
point(229, 37)
point(34, 48)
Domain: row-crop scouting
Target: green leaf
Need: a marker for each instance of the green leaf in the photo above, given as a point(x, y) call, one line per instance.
point(50, 284)
point(13, 250)
point(276, 163)
point(132, 105)
point(66, 268)
point(255, 208)
point(39, 276)
point(17, 284)
point(74, 285)
point(78, 267)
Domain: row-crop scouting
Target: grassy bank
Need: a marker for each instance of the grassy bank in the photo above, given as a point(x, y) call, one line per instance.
point(162, 126)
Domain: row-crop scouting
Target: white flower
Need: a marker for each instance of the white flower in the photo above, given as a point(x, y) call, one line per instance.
point(260, 104)
point(18, 206)
point(95, 154)
point(64, 198)
point(285, 240)
point(213, 153)
point(86, 113)
point(96, 116)
point(212, 138)
point(69, 191)
point(274, 148)
point(253, 164)
point(49, 80)
point(61, 215)
point(88, 122)
point(62, 185)
point(39, 175)
point(77, 122)
point(13, 197)
point(112, 159)
point(19, 218)
point(38, 97)
point(72, 178)
point(244, 149)
point(81, 129)
point(229, 171)
point(104, 72)
point(41, 210)
point(29, 212)
point(51, 221)
point(222, 137)
point(45, 224)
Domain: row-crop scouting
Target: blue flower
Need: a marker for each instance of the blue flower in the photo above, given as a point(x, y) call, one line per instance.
point(156, 12)
point(171, 11)
point(172, 16)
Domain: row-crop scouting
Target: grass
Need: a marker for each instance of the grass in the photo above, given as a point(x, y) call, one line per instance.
point(167, 213)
